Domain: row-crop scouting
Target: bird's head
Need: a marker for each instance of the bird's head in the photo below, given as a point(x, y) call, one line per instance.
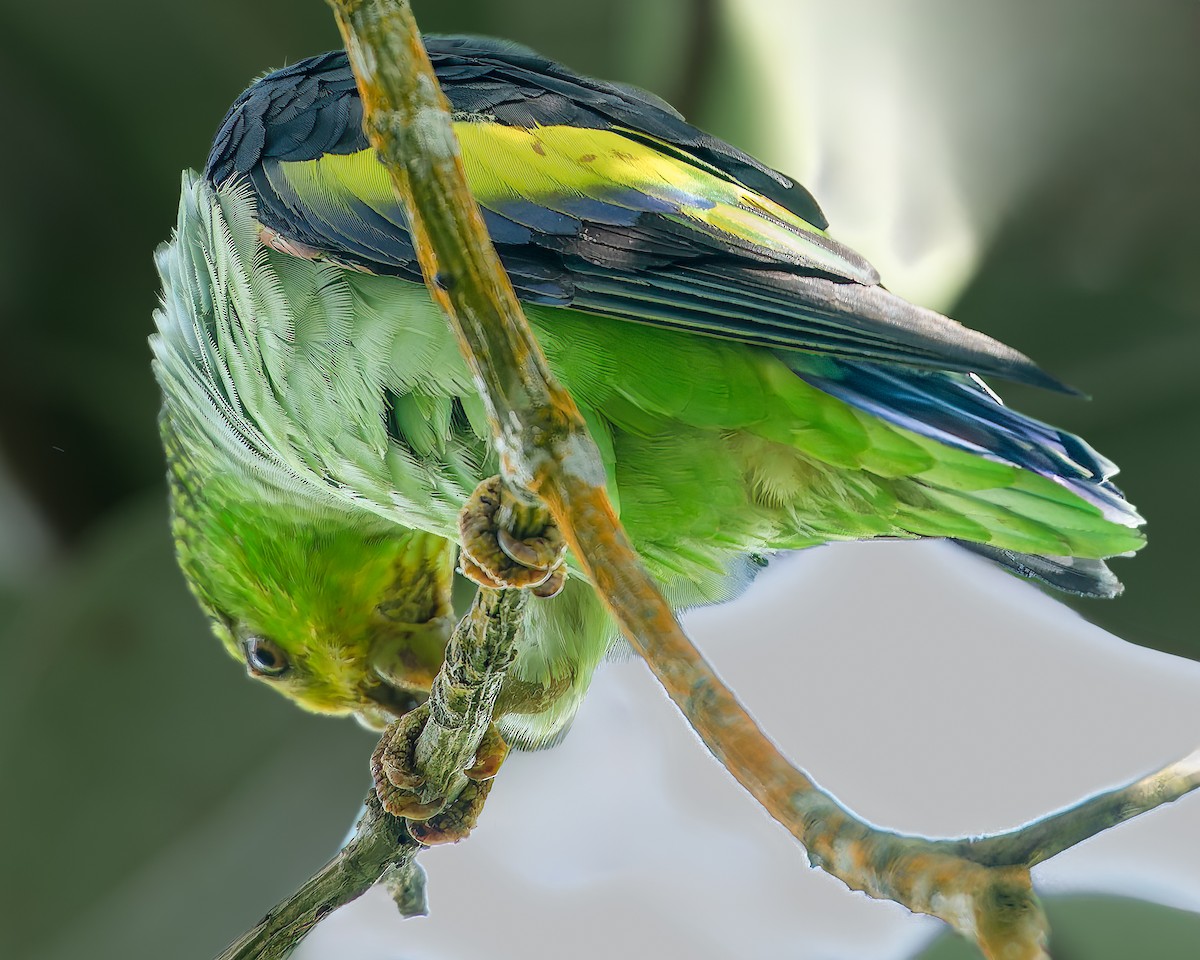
point(338, 608)
point(340, 619)
point(378, 673)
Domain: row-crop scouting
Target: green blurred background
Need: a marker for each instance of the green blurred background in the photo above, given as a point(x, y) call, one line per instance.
point(1029, 167)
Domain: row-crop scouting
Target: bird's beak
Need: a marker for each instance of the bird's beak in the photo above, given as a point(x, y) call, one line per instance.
point(386, 703)
point(404, 662)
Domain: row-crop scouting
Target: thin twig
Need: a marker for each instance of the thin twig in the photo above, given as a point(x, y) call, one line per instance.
point(381, 845)
point(1050, 835)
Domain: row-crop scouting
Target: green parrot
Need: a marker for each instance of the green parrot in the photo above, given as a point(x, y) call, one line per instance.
point(751, 385)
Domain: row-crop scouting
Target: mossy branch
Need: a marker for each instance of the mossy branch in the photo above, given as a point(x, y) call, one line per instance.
point(982, 887)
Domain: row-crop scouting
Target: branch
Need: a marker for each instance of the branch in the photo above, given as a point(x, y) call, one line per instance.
point(1049, 836)
point(544, 447)
point(462, 700)
point(381, 846)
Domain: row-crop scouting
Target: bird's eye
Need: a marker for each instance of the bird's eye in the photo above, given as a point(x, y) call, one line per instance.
point(265, 659)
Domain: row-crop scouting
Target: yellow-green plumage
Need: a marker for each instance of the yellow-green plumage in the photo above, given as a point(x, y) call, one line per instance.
point(549, 166)
point(324, 432)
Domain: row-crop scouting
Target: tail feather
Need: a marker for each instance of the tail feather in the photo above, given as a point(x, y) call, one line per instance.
point(960, 411)
point(1024, 516)
point(1084, 578)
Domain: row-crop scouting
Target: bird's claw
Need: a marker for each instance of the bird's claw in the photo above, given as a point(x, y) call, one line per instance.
point(404, 792)
point(494, 557)
point(393, 768)
point(457, 820)
point(489, 756)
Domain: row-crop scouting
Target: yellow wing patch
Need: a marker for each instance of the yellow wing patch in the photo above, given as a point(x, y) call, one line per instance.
point(560, 167)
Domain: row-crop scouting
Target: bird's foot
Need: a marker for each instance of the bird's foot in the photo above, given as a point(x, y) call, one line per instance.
point(405, 792)
point(457, 819)
point(493, 556)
